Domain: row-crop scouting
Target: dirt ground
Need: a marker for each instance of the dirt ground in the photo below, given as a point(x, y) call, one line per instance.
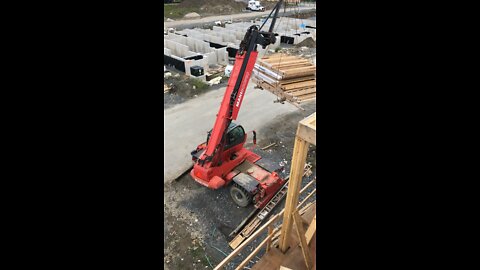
point(182, 89)
point(238, 17)
point(198, 220)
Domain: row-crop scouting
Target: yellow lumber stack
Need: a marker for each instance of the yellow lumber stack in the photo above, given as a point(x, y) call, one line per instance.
point(291, 78)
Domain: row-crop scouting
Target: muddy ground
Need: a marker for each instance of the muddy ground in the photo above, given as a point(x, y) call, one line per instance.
point(198, 220)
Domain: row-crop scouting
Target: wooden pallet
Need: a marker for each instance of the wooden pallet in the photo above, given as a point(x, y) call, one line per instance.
point(289, 77)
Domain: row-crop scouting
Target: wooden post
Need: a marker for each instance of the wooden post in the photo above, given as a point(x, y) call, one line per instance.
point(269, 242)
point(300, 150)
point(303, 241)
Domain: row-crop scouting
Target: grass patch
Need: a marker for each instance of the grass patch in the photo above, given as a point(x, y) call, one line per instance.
point(173, 11)
point(197, 83)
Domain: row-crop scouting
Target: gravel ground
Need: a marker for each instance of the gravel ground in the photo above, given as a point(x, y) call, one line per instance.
point(198, 220)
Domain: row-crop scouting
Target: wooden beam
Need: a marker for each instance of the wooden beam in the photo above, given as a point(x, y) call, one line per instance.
point(301, 93)
point(256, 250)
point(303, 241)
point(304, 84)
point(300, 150)
point(308, 185)
point(305, 96)
point(269, 242)
point(308, 197)
point(246, 242)
point(307, 129)
point(306, 208)
point(311, 229)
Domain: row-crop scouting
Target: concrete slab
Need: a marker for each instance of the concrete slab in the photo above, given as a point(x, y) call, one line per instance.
point(186, 125)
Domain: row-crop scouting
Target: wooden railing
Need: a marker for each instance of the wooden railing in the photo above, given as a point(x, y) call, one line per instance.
point(268, 240)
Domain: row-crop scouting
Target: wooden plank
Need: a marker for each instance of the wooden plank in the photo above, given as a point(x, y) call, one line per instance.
point(276, 64)
point(303, 92)
point(240, 237)
point(303, 241)
point(306, 208)
point(300, 150)
point(308, 197)
point(269, 242)
point(306, 100)
point(306, 131)
point(293, 258)
point(285, 69)
point(281, 65)
point(298, 74)
point(271, 260)
point(246, 242)
point(236, 241)
point(288, 63)
point(305, 96)
point(299, 85)
point(255, 251)
point(279, 59)
point(311, 229)
point(297, 79)
point(268, 78)
point(296, 71)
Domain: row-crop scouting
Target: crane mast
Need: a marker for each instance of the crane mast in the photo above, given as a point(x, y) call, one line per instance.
point(237, 84)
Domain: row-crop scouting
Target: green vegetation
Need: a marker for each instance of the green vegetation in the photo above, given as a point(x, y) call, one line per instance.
point(197, 83)
point(174, 11)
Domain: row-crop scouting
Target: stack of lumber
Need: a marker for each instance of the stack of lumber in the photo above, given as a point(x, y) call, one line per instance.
point(291, 78)
point(213, 73)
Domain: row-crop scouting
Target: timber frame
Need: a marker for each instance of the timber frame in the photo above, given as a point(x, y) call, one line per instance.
point(306, 135)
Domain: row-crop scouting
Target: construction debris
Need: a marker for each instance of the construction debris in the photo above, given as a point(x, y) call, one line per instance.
point(214, 81)
point(308, 42)
point(268, 146)
point(166, 88)
point(192, 15)
point(289, 77)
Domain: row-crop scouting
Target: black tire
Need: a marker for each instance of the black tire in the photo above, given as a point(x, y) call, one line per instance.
point(240, 196)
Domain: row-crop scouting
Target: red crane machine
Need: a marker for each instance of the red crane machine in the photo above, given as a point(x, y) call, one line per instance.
point(223, 157)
